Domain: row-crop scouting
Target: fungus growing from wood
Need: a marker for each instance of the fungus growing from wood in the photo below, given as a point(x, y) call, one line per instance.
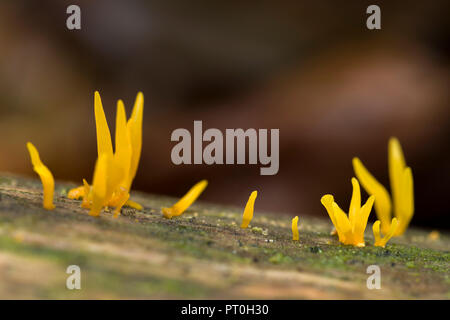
point(248, 211)
point(381, 242)
point(295, 236)
point(350, 229)
point(48, 183)
point(402, 189)
point(186, 201)
point(114, 171)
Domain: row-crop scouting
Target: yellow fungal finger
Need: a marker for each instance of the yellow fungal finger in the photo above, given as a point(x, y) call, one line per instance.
point(355, 203)
point(376, 232)
point(123, 145)
point(327, 201)
point(86, 191)
point(248, 211)
point(134, 128)
point(361, 221)
point(381, 242)
point(48, 183)
point(406, 209)
point(391, 232)
point(99, 185)
point(295, 236)
point(104, 144)
point(373, 187)
point(134, 205)
point(343, 224)
point(186, 201)
point(396, 162)
point(408, 187)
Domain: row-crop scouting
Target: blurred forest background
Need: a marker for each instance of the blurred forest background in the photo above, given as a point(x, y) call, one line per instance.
point(310, 68)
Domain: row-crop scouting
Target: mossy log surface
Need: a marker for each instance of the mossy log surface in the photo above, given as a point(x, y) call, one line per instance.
point(202, 254)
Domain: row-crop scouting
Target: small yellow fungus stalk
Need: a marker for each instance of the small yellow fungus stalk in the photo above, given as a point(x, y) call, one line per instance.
point(76, 193)
point(114, 170)
point(248, 211)
point(295, 236)
point(186, 201)
point(86, 190)
point(48, 183)
point(401, 180)
point(350, 229)
point(381, 242)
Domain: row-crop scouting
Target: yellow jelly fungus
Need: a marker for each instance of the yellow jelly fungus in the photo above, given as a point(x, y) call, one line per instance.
point(114, 171)
point(350, 229)
point(248, 211)
point(401, 187)
point(295, 229)
point(186, 201)
point(76, 193)
point(381, 242)
point(86, 190)
point(48, 183)
point(134, 205)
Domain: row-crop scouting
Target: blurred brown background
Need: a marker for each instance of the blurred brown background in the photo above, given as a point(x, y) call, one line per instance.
point(310, 68)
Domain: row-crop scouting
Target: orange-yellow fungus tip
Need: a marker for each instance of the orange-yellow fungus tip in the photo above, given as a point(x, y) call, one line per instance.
point(295, 236)
point(350, 229)
point(401, 199)
point(104, 144)
point(186, 201)
point(134, 205)
point(381, 242)
point(248, 211)
point(48, 183)
point(76, 193)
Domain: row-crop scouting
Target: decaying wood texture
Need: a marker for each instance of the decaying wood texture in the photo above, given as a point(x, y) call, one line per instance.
point(202, 254)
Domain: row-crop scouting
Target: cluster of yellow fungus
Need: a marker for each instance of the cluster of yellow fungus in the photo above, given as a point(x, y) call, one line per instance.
point(114, 171)
point(186, 201)
point(350, 229)
point(401, 187)
point(48, 183)
point(381, 242)
point(248, 211)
